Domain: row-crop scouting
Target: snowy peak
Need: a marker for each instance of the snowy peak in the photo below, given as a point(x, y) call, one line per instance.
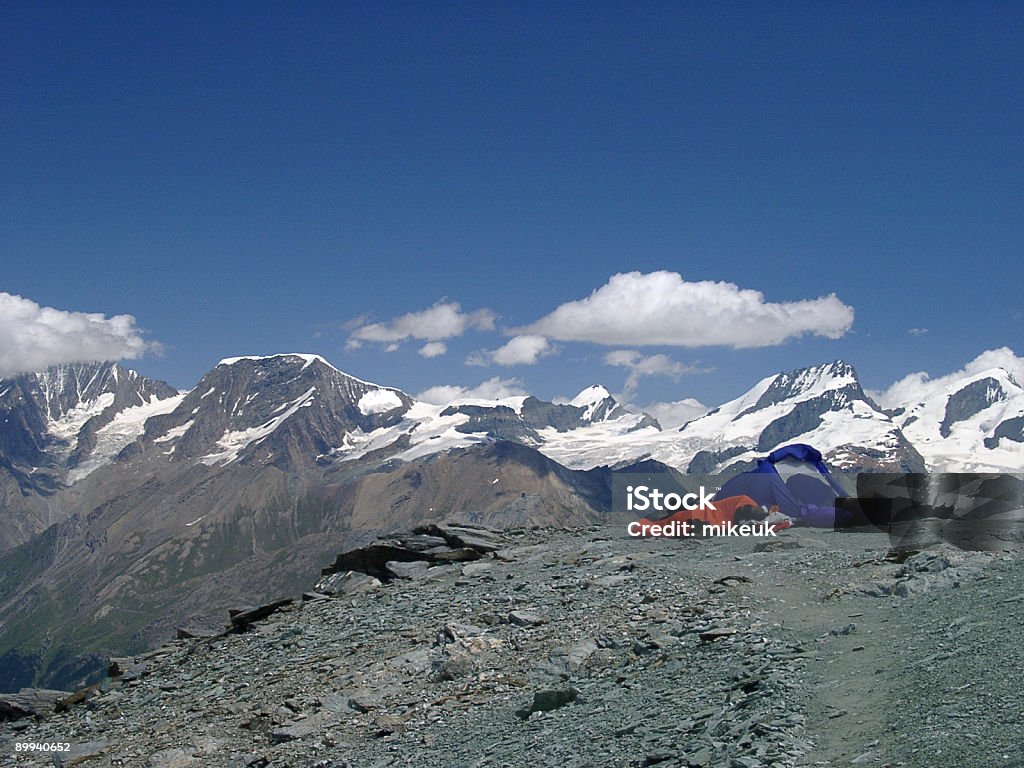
point(969, 422)
point(523, 419)
point(597, 405)
point(590, 396)
point(970, 401)
point(63, 390)
point(307, 359)
point(280, 408)
point(59, 417)
point(823, 405)
point(836, 380)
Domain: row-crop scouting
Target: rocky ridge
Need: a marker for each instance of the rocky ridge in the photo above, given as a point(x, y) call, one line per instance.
point(583, 648)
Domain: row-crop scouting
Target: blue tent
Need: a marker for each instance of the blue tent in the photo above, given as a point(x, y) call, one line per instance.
point(795, 479)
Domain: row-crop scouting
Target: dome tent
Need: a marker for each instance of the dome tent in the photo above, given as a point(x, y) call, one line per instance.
point(793, 478)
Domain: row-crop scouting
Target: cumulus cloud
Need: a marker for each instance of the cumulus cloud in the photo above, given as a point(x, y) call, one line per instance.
point(433, 349)
point(33, 337)
point(520, 350)
point(661, 308)
point(919, 386)
point(917, 331)
point(494, 388)
point(650, 365)
point(674, 415)
point(443, 320)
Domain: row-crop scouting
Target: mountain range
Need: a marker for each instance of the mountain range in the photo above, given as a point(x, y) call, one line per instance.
point(128, 507)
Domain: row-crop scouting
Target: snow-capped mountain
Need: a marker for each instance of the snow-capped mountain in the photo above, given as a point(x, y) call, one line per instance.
point(65, 418)
point(277, 409)
point(968, 423)
point(294, 410)
point(823, 405)
point(242, 483)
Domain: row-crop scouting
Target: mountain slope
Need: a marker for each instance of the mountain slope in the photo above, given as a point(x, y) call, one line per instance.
point(282, 409)
point(969, 423)
point(823, 405)
point(58, 426)
point(160, 508)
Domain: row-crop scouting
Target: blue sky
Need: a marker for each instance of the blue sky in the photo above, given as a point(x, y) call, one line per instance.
point(251, 179)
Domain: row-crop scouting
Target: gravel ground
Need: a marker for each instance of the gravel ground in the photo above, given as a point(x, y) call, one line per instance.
point(588, 648)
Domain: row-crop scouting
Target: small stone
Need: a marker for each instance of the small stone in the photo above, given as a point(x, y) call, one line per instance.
point(456, 666)
point(546, 701)
point(524, 619)
point(171, 758)
point(81, 753)
point(661, 756)
point(717, 634)
point(846, 630)
point(192, 633)
point(347, 583)
point(476, 568)
point(363, 701)
point(241, 618)
point(294, 731)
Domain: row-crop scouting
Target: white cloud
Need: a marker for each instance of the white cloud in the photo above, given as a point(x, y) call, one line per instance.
point(919, 386)
point(444, 320)
point(433, 349)
point(651, 365)
point(674, 415)
point(33, 337)
point(520, 350)
point(494, 388)
point(917, 331)
point(660, 308)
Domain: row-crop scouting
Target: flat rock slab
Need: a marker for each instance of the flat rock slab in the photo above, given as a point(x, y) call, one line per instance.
point(241, 618)
point(194, 633)
point(81, 753)
point(525, 619)
point(29, 702)
point(716, 634)
point(347, 583)
point(400, 570)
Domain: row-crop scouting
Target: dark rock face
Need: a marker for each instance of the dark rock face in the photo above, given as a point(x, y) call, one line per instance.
point(1011, 429)
point(291, 407)
point(29, 702)
point(706, 462)
point(971, 400)
point(791, 384)
point(871, 460)
point(29, 403)
point(48, 425)
point(805, 417)
point(503, 423)
point(428, 544)
point(499, 422)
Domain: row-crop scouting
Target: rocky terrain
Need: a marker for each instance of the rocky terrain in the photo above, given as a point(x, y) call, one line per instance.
point(581, 647)
point(128, 508)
